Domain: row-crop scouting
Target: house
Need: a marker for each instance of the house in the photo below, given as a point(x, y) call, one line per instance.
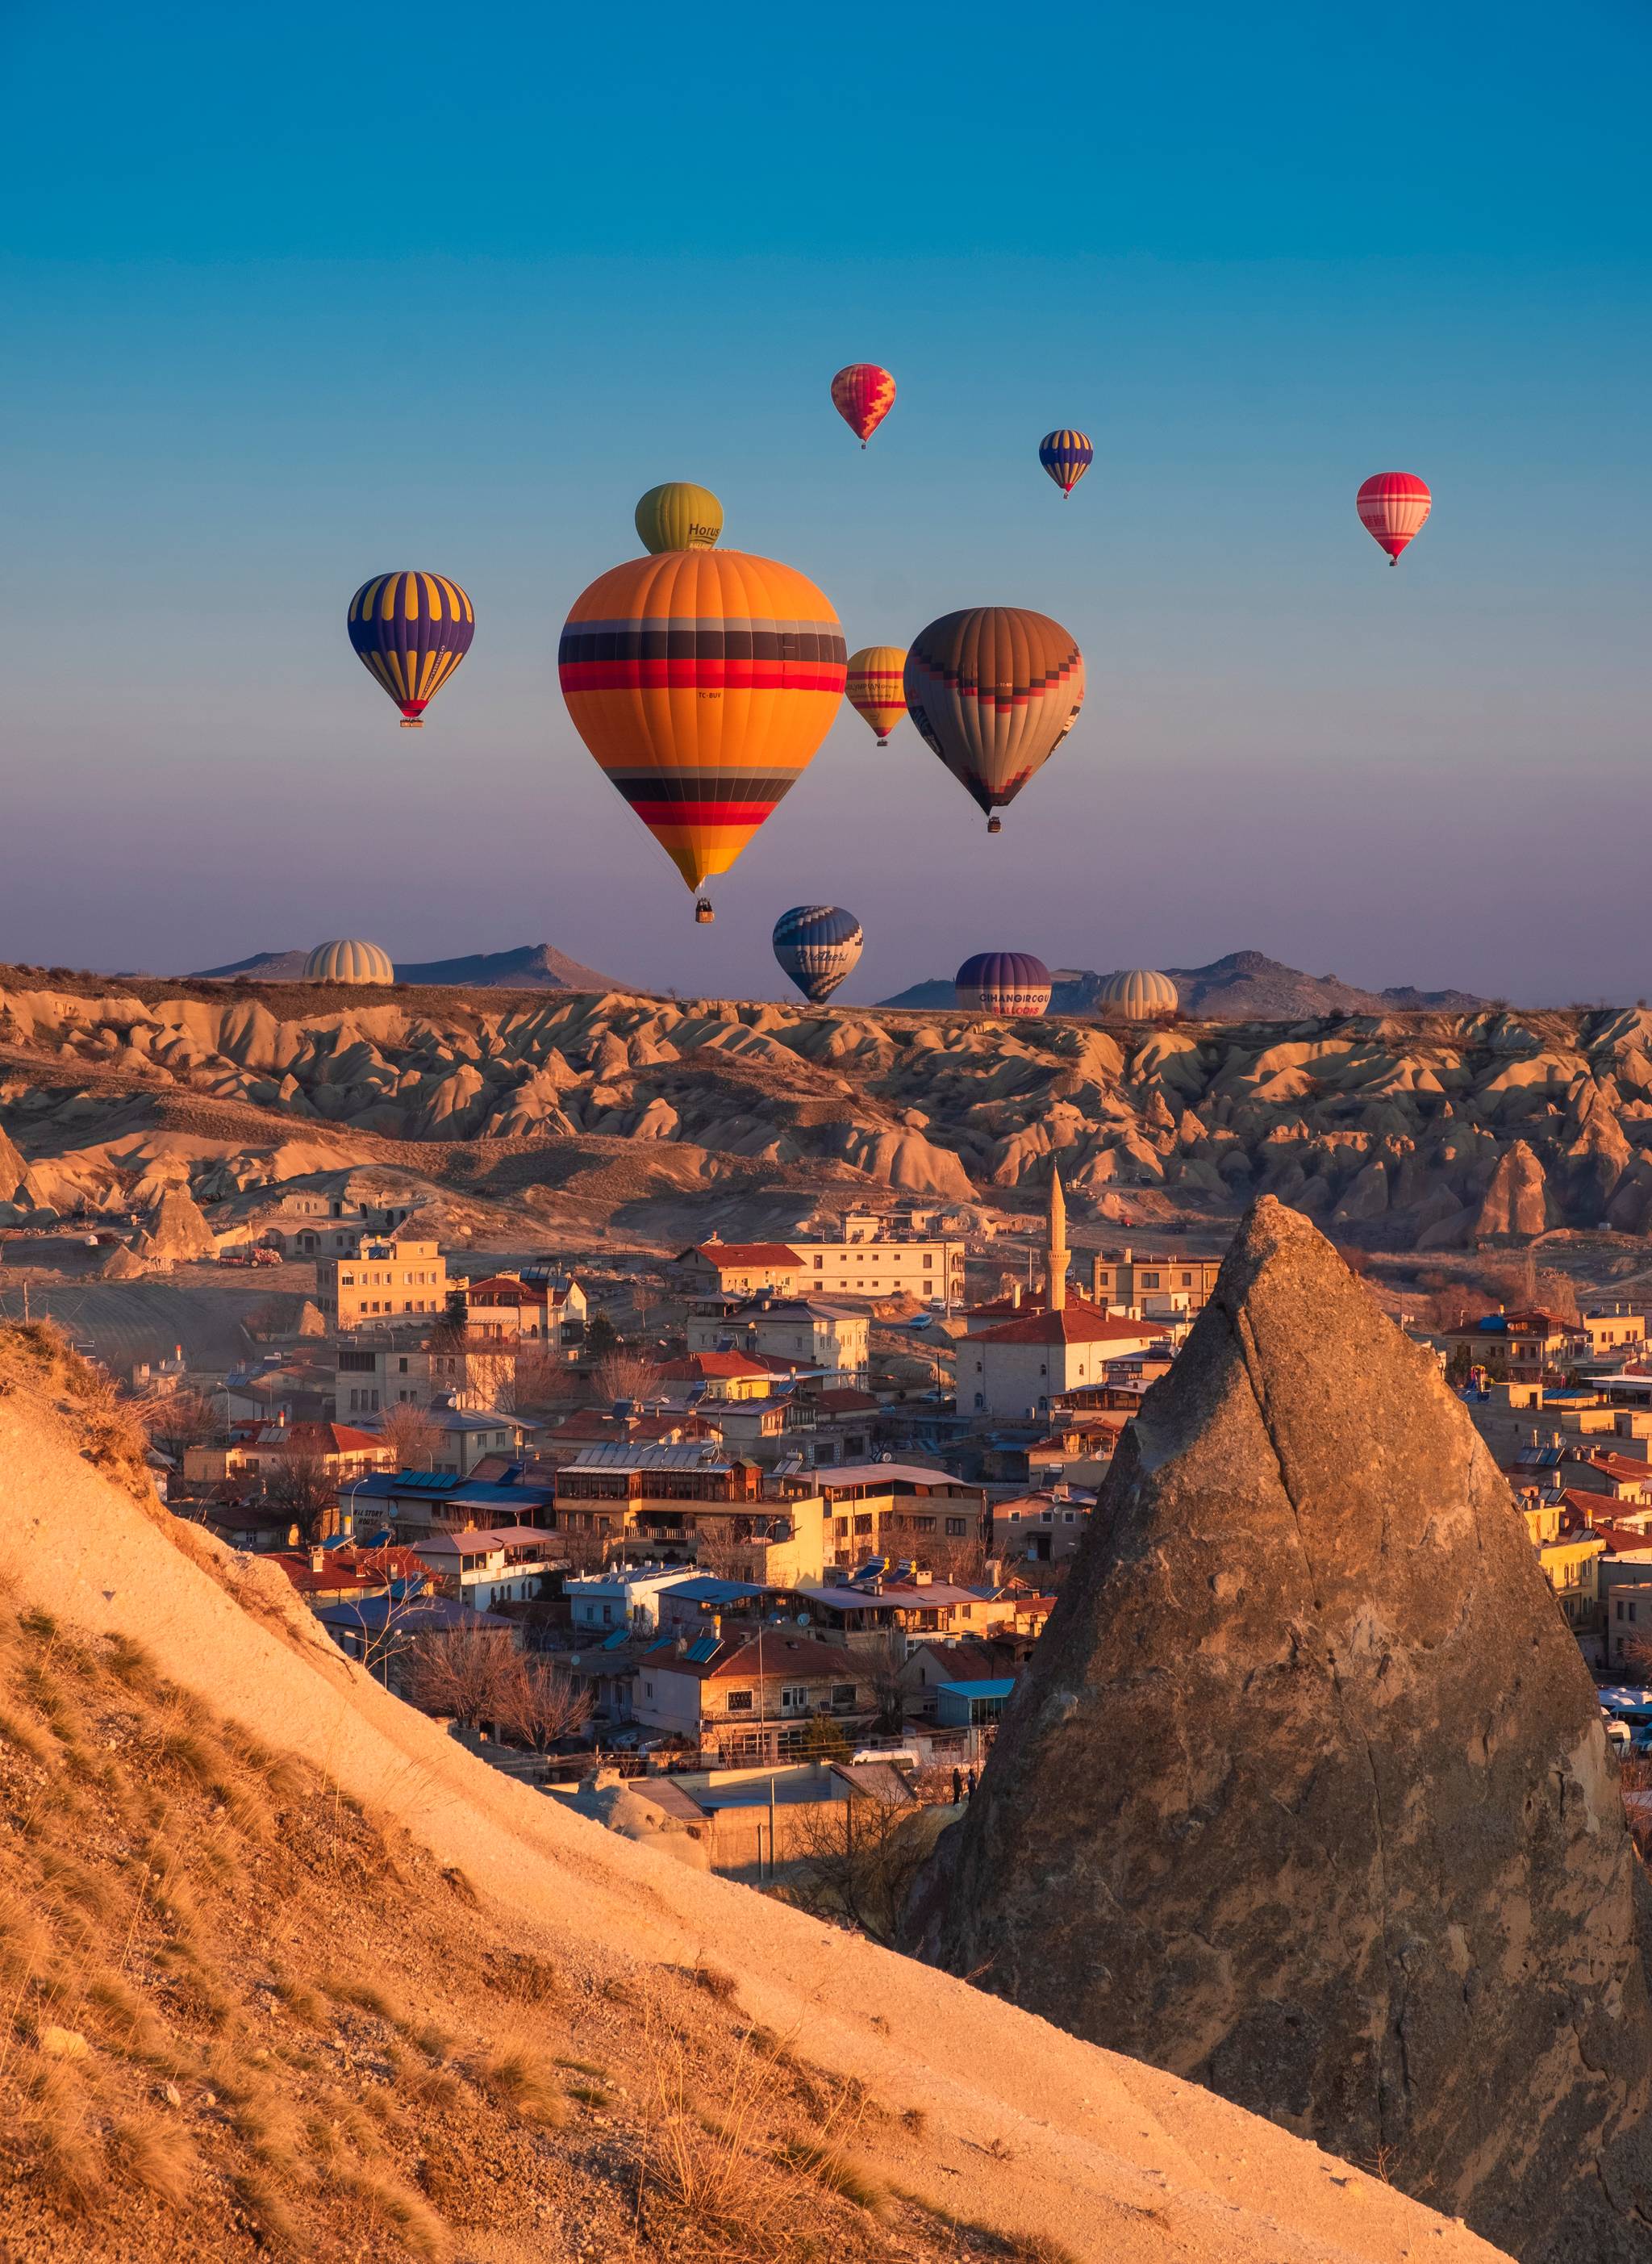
point(749, 1697)
point(691, 1505)
point(258, 1527)
point(628, 1596)
point(341, 1572)
point(466, 1435)
point(748, 1819)
point(532, 1308)
point(740, 1268)
point(1130, 1278)
point(418, 1502)
point(1597, 1470)
point(913, 1606)
point(487, 1566)
point(717, 1376)
point(972, 1704)
point(1616, 1327)
point(257, 1451)
point(593, 1427)
point(383, 1631)
point(1040, 1529)
point(409, 1367)
point(899, 1510)
point(1521, 1346)
point(863, 1262)
point(830, 1340)
point(381, 1279)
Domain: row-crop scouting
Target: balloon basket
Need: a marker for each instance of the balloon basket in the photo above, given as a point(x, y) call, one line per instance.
point(703, 913)
point(883, 743)
point(995, 825)
point(412, 722)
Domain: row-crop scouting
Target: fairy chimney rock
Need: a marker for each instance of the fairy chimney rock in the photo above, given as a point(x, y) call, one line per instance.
point(1305, 1795)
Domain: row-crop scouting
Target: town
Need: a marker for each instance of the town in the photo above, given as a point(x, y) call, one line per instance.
point(768, 1526)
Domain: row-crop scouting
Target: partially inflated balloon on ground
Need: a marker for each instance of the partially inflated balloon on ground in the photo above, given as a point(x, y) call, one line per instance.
point(817, 946)
point(863, 395)
point(702, 681)
point(412, 630)
point(1138, 994)
point(679, 516)
point(876, 688)
point(1003, 982)
point(994, 690)
point(1392, 507)
point(1066, 456)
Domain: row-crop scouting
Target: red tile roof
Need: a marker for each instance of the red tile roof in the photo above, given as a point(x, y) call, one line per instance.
point(703, 1366)
point(1078, 1323)
point(741, 1257)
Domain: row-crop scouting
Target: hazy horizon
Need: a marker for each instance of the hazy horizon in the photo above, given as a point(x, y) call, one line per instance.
point(286, 313)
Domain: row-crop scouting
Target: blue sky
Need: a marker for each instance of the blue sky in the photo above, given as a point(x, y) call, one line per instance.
point(296, 297)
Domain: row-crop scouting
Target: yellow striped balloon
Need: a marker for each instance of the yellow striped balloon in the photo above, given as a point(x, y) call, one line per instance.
point(412, 630)
point(876, 688)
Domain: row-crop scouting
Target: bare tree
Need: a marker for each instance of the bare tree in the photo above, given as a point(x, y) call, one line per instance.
point(856, 1861)
point(1557, 1294)
point(883, 1662)
point(411, 1431)
point(302, 1484)
point(541, 1377)
point(176, 1419)
point(464, 1673)
point(543, 1703)
point(960, 1558)
point(621, 1375)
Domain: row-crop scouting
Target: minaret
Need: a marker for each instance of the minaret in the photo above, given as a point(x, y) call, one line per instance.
point(1056, 1292)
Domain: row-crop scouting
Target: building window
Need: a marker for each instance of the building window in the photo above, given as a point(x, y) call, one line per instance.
point(739, 1701)
point(956, 1528)
point(842, 1694)
point(794, 1698)
point(648, 1690)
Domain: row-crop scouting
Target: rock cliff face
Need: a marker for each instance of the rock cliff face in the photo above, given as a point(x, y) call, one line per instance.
point(1306, 1796)
point(1422, 1130)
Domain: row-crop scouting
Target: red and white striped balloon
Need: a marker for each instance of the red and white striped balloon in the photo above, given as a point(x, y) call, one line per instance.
point(1392, 506)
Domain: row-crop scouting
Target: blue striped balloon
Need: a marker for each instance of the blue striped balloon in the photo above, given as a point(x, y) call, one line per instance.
point(411, 630)
point(1066, 456)
point(1003, 982)
point(817, 946)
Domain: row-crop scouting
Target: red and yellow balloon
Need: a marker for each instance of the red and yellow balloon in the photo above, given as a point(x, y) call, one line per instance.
point(702, 681)
point(863, 394)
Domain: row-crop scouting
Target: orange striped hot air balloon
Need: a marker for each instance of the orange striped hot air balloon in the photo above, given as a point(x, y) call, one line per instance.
point(1392, 506)
point(411, 630)
point(863, 394)
point(876, 689)
point(702, 681)
point(993, 691)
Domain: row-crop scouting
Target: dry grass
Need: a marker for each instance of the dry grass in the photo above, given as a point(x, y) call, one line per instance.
point(836, 2172)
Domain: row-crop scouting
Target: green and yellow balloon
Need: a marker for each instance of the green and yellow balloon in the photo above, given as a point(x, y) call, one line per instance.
point(679, 516)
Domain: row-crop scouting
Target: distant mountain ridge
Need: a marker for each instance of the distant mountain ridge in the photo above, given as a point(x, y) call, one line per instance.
point(1245, 986)
point(530, 967)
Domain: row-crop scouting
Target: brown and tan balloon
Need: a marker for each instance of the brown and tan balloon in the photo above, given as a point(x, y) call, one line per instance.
point(994, 690)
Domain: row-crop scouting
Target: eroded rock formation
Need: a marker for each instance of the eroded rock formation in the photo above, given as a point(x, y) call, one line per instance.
point(1306, 1796)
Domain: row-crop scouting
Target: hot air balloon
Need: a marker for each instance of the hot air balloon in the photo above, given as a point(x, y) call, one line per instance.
point(817, 946)
point(994, 690)
point(1003, 982)
point(863, 394)
point(679, 516)
point(702, 681)
point(412, 629)
point(1066, 456)
point(875, 688)
point(1139, 994)
point(348, 960)
point(1392, 506)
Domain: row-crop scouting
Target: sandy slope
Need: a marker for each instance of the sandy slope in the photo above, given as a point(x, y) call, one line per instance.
point(1113, 2158)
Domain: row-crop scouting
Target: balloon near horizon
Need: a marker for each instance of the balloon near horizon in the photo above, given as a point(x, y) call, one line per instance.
point(993, 691)
point(1138, 994)
point(348, 960)
point(411, 630)
point(876, 688)
point(702, 682)
point(1004, 983)
point(817, 946)
point(1392, 507)
point(678, 516)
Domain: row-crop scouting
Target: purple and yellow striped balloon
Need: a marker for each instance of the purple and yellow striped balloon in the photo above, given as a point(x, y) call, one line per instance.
point(1065, 455)
point(412, 630)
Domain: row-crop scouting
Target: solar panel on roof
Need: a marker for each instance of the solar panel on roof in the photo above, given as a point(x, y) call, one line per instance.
point(618, 1640)
point(704, 1648)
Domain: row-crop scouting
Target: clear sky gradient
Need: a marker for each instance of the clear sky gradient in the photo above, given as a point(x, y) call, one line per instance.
point(296, 296)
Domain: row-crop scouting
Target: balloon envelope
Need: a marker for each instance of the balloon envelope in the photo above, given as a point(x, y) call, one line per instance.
point(1066, 456)
point(1003, 982)
point(1392, 506)
point(994, 690)
point(679, 516)
point(347, 959)
point(1137, 993)
point(817, 946)
point(702, 681)
point(876, 688)
point(412, 629)
point(863, 395)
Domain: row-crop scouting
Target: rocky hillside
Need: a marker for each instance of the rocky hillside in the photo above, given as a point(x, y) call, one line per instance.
point(530, 967)
point(1245, 986)
point(1408, 1131)
point(288, 1973)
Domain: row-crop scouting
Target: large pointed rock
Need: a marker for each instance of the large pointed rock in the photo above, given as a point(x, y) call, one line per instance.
point(1305, 1794)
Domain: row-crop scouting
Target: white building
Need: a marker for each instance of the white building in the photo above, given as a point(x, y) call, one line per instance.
point(863, 1263)
point(832, 1339)
point(628, 1597)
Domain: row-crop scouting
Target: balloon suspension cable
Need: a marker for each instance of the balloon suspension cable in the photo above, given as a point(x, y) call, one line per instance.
point(1394, 559)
